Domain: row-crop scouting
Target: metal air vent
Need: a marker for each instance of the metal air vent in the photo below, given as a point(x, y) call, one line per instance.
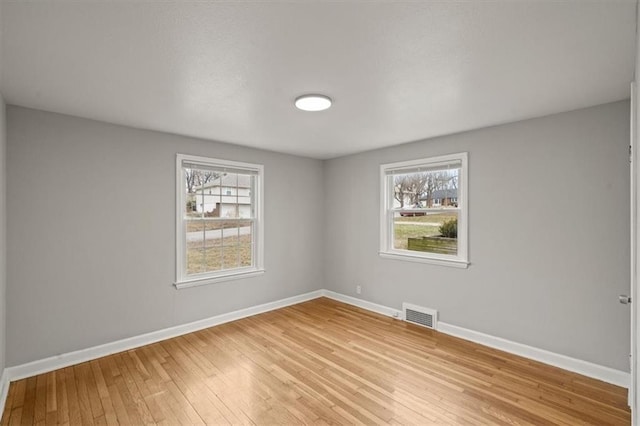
point(418, 315)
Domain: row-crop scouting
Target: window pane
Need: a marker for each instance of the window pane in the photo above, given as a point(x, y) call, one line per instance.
point(237, 243)
point(193, 225)
point(232, 230)
point(246, 254)
point(202, 191)
point(425, 189)
point(433, 232)
point(195, 257)
point(213, 259)
point(200, 230)
point(214, 244)
point(231, 257)
point(220, 213)
point(235, 196)
point(230, 234)
point(216, 194)
point(245, 246)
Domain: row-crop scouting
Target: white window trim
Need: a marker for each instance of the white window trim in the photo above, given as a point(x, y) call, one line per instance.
point(461, 260)
point(184, 281)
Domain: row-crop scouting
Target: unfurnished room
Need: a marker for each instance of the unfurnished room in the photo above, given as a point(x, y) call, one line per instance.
point(319, 212)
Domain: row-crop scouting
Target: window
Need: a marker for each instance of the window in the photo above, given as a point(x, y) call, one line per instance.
point(423, 213)
point(219, 237)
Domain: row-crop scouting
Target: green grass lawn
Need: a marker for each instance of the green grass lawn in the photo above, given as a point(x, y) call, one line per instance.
point(405, 229)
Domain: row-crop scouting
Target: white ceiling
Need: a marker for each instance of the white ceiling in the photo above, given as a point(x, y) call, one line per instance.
point(398, 72)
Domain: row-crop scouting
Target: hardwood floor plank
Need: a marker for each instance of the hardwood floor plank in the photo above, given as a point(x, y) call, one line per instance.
point(62, 401)
point(51, 398)
point(40, 409)
point(319, 362)
point(16, 417)
point(6, 414)
point(118, 405)
point(28, 409)
point(103, 393)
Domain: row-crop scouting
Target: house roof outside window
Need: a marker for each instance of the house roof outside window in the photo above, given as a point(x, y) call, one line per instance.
point(229, 180)
point(441, 194)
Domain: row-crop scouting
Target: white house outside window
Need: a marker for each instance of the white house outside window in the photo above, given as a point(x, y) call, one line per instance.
point(218, 220)
point(423, 213)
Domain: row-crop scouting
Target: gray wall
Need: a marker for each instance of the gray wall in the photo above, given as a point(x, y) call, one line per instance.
point(3, 251)
point(91, 239)
point(3, 216)
point(91, 236)
point(548, 234)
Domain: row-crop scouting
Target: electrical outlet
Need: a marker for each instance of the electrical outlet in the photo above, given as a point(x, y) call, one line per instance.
point(358, 289)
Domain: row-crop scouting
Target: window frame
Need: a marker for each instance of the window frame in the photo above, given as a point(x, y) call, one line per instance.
point(386, 250)
point(183, 280)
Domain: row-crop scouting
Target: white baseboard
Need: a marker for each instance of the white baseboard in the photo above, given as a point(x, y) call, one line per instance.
point(595, 371)
point(30, 369)
point(369, 306)
point(589, 369)
point(4, 389)
point(64, 360)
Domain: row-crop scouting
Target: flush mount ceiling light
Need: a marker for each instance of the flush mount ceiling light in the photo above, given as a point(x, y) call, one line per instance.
point(313, 102)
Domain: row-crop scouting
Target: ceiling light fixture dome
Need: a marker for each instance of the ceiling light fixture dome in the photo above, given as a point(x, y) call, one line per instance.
point(313, 102)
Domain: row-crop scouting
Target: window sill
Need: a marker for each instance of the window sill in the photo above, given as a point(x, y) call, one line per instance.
point(462, 264)
point(218, 278)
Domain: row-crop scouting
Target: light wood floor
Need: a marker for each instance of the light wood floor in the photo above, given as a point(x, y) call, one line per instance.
point(316, 362)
